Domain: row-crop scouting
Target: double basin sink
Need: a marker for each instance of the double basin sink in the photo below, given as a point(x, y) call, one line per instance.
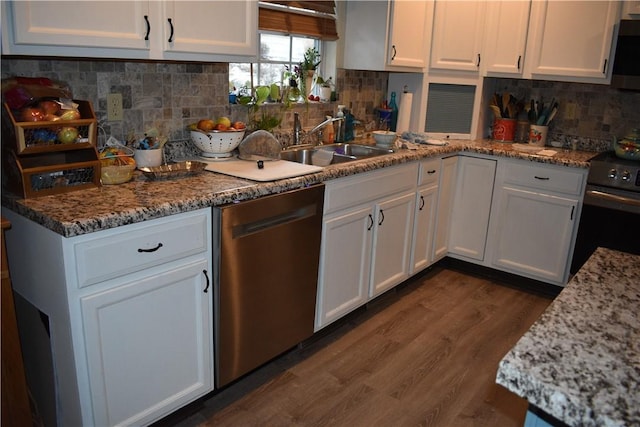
point(324, 155)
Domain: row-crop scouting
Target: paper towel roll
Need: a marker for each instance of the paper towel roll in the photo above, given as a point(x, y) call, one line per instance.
point(404, 112)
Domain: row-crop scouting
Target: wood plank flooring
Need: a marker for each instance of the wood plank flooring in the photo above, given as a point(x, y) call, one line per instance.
point(425, 355)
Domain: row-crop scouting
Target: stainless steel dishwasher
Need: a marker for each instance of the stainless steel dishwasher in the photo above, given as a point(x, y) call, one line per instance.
point(266, 252)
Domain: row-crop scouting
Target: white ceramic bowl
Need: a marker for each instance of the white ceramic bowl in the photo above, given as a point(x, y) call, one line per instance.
point(217, 143)
point(384, 137)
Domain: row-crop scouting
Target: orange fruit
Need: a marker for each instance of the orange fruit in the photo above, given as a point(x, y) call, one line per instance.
point(206, 125)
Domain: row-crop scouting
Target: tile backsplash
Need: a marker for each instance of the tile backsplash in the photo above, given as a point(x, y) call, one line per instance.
point(599, 111)
point(170, 95)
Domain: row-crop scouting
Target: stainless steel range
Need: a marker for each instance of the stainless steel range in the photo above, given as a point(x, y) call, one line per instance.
point(611, 210)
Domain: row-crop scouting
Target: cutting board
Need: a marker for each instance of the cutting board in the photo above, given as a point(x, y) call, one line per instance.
point(272, 170)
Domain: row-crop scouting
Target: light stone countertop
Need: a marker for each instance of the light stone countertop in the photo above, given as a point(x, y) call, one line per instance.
point(580, 361)
point(85, 211)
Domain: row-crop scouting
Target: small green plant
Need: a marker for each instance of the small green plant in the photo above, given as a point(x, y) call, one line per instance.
point(311, 60)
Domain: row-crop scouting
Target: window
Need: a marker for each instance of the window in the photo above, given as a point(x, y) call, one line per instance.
point(287, 29)
point(276, 52)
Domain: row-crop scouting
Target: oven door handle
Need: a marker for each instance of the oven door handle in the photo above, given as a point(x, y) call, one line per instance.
point(606, 196)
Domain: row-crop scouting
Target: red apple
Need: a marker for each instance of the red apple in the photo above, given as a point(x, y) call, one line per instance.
point(32, 115)
point(49, 107)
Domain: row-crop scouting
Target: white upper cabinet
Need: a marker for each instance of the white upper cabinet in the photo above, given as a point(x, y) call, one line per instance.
point(506, 37)
point(387, 35)
point(571, 40)
point(457, 35)
point(407, 47)
point(73, 23)
point(179, 30)
point(220, 27)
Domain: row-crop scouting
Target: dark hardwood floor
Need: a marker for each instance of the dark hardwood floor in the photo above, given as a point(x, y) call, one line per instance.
point(424, 355)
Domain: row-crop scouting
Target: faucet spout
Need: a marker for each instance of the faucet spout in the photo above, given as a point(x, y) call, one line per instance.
point(323, 124)
point(299, 135)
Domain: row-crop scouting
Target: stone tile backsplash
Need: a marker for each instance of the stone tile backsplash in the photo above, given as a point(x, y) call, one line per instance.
point(170, 95)
point(599, 110)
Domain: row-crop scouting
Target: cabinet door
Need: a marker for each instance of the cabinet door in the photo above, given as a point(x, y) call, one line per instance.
point(572, 38)
point(79, 23)
point(392, 242)
point(406, 47)
point(445, 202)
point(423, 228)
point(149, 345)
point(345, 261)
point(220, 27)
point(534, 233)
point(472, 207)
point(457, 35)
point(506, 39)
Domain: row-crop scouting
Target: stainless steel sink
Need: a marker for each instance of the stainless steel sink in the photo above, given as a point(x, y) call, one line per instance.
point(356, 150)
point(341, 153)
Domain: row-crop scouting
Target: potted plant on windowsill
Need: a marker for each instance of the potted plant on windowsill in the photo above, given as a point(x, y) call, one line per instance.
point(308, 66)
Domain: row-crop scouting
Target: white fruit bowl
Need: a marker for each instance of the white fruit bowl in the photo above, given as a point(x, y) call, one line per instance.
point(217, 143)
point(384, 138)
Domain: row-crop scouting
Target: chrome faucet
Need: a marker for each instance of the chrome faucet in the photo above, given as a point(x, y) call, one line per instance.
point(299, 137)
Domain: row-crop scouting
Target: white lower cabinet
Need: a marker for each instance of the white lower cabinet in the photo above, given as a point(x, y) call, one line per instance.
point(345, 264)
point(366, 238)
point(471, 207)
point(130, 315)
point(393, 234)
point(445, 204)
point(148, 345)
point(425, 215)
point(536, 219)
point(534, 233)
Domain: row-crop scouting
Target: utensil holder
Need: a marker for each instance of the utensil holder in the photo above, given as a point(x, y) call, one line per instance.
point(504, 130)
point(538, 135)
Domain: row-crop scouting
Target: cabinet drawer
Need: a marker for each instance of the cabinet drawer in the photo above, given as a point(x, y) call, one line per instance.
point(137, 247)
point(429, 172)
point(362, 188)
point(545, 177)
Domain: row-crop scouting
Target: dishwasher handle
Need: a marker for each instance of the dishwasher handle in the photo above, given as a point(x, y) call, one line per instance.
point(242, 230)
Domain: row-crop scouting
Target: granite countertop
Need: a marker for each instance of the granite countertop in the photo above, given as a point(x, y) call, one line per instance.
point(84, 211)
point(580, 362)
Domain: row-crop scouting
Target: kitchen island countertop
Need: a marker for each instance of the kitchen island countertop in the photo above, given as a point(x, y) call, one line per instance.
point(580, 362)
point(85, 211)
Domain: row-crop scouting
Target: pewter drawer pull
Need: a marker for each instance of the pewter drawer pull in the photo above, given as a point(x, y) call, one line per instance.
point(152, 249)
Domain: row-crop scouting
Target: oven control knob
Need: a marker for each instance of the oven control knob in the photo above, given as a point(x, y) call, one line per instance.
point(613, 174)
point(626, 176)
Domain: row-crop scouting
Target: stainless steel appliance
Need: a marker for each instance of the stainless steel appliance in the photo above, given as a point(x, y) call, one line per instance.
point(626, 65)
point(611, 209)
point(266, 255)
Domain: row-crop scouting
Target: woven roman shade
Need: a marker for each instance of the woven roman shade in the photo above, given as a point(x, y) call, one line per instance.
point(304, 18)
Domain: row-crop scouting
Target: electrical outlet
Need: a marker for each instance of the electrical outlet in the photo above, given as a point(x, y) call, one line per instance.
point(570, 111)
point(114, 107)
